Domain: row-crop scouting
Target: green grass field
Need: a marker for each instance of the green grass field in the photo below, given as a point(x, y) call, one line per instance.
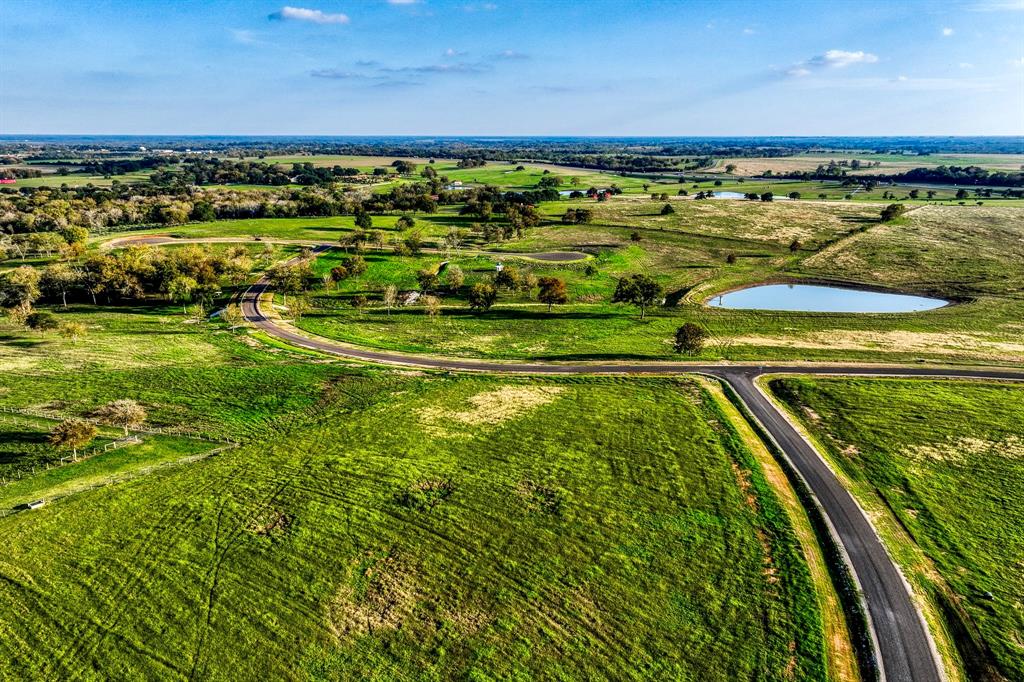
point(80, 179)
point(946, 459)
point(379, 522)
point(965, 254)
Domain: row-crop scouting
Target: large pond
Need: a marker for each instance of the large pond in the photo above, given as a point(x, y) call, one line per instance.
point(822, 299)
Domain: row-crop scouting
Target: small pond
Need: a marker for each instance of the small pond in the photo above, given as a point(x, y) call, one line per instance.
point(740, 195)
point(822, 299)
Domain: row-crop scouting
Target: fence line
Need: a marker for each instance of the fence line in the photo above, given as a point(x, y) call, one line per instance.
point(154, 430)
point(115, 444)
point(129, 475)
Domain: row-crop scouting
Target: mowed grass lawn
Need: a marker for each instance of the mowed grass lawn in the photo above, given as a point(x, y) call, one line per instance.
point(947, 459)
point(431, 528)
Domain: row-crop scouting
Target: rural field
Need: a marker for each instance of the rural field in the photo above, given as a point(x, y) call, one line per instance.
point(377, 521)
point(887, 163)
point(384, 341)
point(967, 255)
point(938, 464)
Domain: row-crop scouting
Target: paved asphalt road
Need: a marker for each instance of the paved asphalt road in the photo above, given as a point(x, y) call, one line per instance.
point(903, 645)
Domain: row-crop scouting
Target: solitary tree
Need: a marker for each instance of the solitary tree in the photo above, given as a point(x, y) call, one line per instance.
point(794, 246)
point(390, 297)
point(690, 339)
point(298, 307)
point(289, 279)
point(232, 316)
point(667, 209)
point(73, 434)
point(892, 212)
point(509, 277)
point(640, 290)
point(125, 413)
point(552, 290)
point(427, 279)
point(72, 331)
point(482, 296)
point(432, 305)
point(455, 277)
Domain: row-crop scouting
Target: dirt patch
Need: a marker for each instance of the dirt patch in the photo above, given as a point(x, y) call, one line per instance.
point(964, 449)
point(379, 593)
point(964, 343)
point(743, 480)
point(269, 523)
point(490, 408)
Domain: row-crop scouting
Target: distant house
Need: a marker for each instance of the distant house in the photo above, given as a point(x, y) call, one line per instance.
point(410, 297)
point(7, 181)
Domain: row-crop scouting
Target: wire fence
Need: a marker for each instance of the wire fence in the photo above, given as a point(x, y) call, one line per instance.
point(154, 430)
point(133, 438)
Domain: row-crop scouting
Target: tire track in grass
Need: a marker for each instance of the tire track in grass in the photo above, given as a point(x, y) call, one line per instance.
point(233, 539)
point(128, 583)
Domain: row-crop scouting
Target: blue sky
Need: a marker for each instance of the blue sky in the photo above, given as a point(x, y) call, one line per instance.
point(502, 67)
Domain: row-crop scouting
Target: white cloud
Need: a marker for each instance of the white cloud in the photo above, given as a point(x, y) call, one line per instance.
point(842, 58)
point(966, 65)
point(402, 2)
point(314, 16)
point(452, 52)
point(749, 31)
point(480, 7)
point(835, 59)
point(1019, 63)
point(947, 32)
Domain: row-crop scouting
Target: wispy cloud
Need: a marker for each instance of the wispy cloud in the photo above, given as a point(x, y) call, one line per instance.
point(749, 31)
point(457, 67)
point(1019, 63)
point(452, 52)
point(510, 55)
point(835, 59)
point(314, 16)
point(947, 32)
point(339, 74)
point(402, 2)
point(366, 80)
point(479, 7)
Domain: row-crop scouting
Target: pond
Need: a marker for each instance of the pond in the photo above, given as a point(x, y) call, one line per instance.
point(822, 299)
point(740, 195)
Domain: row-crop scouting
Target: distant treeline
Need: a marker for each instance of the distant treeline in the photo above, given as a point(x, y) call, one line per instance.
point(941, 175)
point(122, 166)
point(32, 210)
point(459, 147)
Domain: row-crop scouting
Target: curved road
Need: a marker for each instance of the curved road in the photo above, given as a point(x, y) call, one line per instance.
point(904, 648)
